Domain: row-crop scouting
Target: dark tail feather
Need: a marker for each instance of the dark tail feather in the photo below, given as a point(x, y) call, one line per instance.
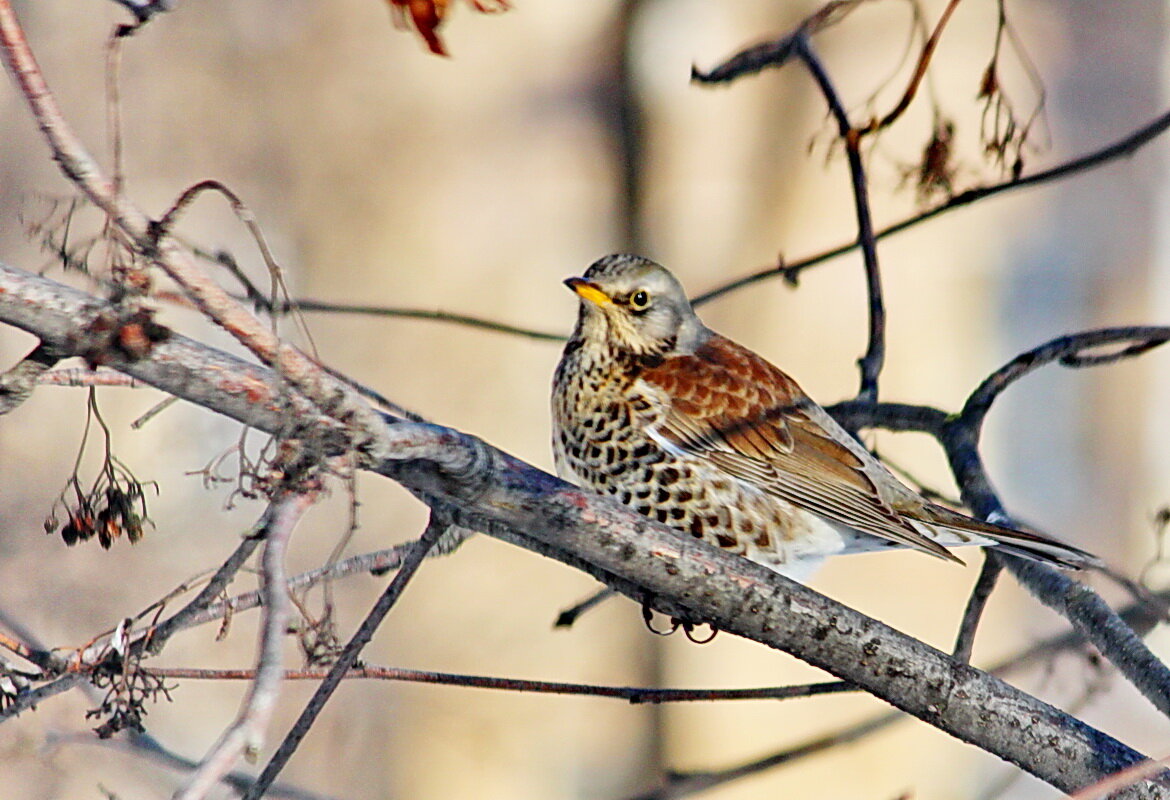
point(1033, 546)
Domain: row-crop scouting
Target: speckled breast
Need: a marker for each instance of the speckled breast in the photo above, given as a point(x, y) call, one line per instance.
point(601, 419)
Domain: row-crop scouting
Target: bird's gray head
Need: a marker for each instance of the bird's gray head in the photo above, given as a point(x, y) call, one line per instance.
point(635, 306)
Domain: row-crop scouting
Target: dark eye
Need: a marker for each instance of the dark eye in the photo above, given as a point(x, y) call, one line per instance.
point(640, 300)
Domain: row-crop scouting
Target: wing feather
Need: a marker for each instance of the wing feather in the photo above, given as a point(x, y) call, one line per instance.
point(746, 417)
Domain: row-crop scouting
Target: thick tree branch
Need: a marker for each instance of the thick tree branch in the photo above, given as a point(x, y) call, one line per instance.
point(512, 500)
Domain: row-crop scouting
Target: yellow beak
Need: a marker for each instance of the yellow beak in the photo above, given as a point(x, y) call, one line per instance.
point(589, 291)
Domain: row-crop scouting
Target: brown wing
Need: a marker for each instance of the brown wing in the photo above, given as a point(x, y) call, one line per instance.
point(745, 416)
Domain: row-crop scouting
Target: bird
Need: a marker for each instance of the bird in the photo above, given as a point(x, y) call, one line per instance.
point(687, 427)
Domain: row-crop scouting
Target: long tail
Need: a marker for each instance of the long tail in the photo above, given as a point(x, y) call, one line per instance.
point(1034, 546)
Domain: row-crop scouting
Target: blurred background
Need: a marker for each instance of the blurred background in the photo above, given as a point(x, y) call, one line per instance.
point(556, 133)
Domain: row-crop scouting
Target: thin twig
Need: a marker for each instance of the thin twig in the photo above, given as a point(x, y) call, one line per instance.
point(791, 270)
point(776, 53)
point(157, 637)
point(1122, 779)
point(875, 351)
point(376, 562)
point(798, 44)
point(1070, 352)
point(83, 377)
point(635, 695)
point(33, 698)
point(144, 11)
point(920, 68)
point(165, 225)
point(245, 734)
point(45, 660)
point(162, 405)
point(307, 305)
point(980, 594)
point(348, 656)
point(568, 617)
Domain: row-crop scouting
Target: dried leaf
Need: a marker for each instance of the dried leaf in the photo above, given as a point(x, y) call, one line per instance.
point(989, 84)
point(427, 15)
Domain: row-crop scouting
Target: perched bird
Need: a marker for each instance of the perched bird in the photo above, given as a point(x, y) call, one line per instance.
point(691, 429)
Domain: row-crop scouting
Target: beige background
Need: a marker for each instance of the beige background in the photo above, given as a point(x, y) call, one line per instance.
point(475, 184)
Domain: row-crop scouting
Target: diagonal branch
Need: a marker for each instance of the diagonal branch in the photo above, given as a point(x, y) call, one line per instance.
point(487, 490)
point(348, 657)
point(1126, 146)
point(246, 732)
point(18, 383)
point(329, 395)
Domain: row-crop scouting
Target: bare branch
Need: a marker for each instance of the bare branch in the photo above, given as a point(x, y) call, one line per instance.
point(798, 44)
point(920, 68)
point(81, 377)
point(635, 695)
point(780, 51)
point(246, 733)
point(980, 594)
point(304, 304)
point(790, 271)
point(17, 384)
point(436, 529)
point(645, 560)
point(293, 366)
point(1070, 351)
point(568, 617)
point(159, 635)
point(959, 436)
point(875, 351)
point(144, 10)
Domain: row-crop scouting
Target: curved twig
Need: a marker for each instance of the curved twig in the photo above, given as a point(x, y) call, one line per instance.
point(871, 362)
point(798, 45)
point(1069, 351)
point(919, 73)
